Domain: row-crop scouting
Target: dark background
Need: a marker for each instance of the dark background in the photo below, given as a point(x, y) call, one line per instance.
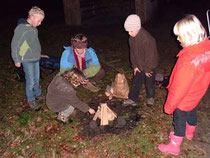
point(13, 9)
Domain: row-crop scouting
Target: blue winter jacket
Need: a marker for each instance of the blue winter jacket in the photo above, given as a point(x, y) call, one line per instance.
point(68, 61)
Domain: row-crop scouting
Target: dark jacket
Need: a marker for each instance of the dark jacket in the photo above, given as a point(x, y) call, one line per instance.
point(143, 51)
point(61, 94)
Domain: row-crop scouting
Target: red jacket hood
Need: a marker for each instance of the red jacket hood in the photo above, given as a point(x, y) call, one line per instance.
point(195, 53)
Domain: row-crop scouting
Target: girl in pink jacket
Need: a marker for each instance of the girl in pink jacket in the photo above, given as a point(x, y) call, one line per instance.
point(189, 81)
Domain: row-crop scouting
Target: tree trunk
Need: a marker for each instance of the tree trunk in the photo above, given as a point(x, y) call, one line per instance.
point(72, 12)
point(146, 9)
point(140, 9)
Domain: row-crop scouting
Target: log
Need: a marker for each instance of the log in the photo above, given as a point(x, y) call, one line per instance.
point(96, 115)
point(105, 114)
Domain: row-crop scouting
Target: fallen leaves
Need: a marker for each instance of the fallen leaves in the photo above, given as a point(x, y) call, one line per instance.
point(50, 127)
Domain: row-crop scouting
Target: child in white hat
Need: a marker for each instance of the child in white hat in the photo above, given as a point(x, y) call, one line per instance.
point(144, 60)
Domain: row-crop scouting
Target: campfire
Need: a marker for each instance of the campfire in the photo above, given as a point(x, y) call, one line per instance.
point(111, 117)
point(105, 114)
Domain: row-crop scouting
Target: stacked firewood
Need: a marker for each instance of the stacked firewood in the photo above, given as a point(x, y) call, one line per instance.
point(105, 114)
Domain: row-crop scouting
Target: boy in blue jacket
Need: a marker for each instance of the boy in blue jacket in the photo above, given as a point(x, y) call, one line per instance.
point(85, 59)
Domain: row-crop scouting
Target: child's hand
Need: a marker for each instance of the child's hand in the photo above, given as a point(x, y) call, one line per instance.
point(135, 71)
point(85, 81)
point(17, 64)
point(148, 74)
point(45, 56)
point(91, 111)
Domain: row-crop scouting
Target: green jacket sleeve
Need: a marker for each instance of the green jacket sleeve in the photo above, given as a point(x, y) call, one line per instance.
point(92, 70)
point(15, 45)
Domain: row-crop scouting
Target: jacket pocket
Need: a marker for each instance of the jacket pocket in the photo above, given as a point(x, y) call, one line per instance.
point(23, 48)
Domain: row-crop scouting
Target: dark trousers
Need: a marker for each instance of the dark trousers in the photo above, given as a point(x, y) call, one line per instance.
point(138, 80)
point(180, 119)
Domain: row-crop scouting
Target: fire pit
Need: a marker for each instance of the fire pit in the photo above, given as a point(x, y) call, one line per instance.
point(127, 118)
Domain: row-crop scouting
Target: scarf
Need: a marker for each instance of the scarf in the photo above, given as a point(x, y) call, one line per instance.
point(80, 60)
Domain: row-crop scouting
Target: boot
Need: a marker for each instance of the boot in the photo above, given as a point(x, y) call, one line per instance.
point(189, 131)
point(128, 102)
point(34, 106)
point(150, 102)
point(40, 97)
point(61, 118)
point(173, 147)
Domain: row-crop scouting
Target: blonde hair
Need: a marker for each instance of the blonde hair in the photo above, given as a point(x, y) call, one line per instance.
point(36, 11)
point(74, 76)
point(190, 30)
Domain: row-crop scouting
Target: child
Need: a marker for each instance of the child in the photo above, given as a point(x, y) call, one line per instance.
point(83, 58)
point(61, 95)
point(26, 50)
point(144, 60)
point(188, 82)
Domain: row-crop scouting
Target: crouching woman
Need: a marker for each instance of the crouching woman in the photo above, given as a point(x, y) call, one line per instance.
point(61, 95)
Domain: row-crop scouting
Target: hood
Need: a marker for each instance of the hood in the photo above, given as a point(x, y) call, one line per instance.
point(22, 21)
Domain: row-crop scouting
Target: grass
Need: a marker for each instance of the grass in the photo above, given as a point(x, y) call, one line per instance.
point(24, 133)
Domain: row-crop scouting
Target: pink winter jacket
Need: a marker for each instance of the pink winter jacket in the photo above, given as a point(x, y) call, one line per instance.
point(190, 78)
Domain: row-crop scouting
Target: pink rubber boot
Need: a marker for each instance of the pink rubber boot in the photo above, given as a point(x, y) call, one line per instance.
point(173, 147)
point(189, 131)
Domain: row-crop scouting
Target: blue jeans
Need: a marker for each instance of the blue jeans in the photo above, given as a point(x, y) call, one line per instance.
point(138, 80)
point(181, 117)
point(32, 76)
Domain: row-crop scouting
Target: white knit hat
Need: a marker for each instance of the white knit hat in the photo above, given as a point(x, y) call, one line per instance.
point(132, 23)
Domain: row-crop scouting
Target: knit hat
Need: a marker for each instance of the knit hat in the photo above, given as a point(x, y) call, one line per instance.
point(132, 23)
